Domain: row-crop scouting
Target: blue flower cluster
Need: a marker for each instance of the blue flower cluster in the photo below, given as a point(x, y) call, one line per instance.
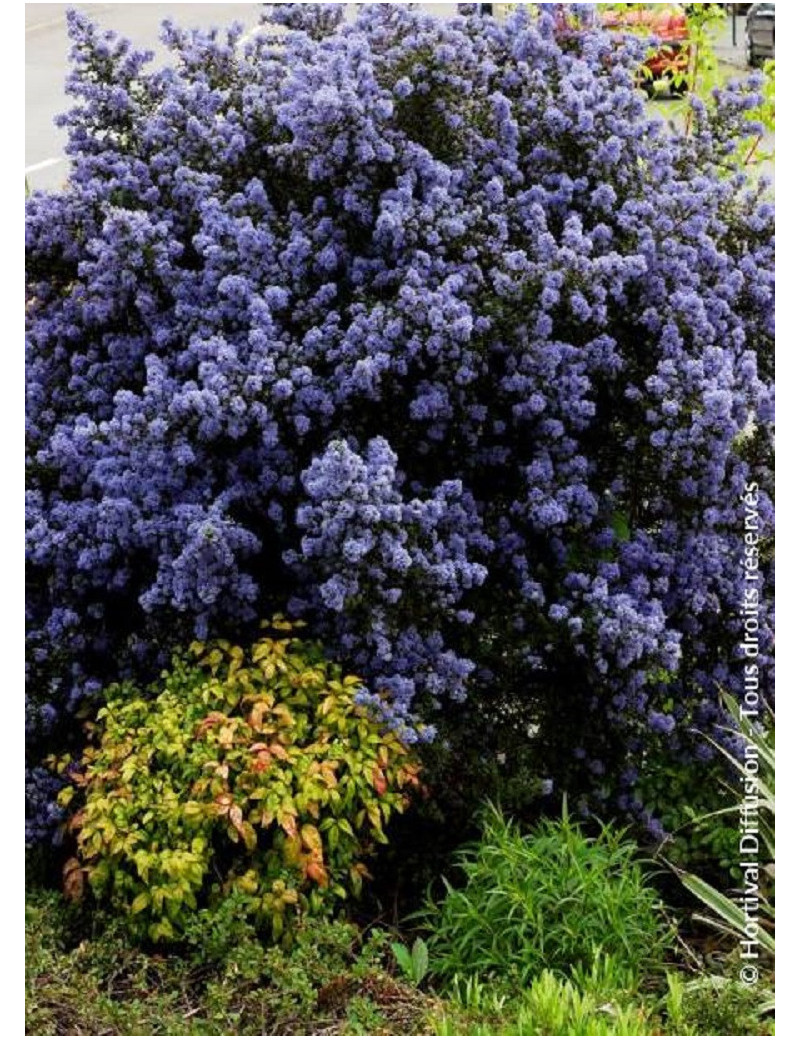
point(421, 327)
point(43, 815)
point(394, 571)
point(317, 20)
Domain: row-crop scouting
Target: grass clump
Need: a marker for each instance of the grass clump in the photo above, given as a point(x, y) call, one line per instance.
point(550, 1006)
point(555, 899)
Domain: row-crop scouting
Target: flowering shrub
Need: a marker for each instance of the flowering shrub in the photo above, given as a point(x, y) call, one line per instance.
point(252, 775)
point(420, 329)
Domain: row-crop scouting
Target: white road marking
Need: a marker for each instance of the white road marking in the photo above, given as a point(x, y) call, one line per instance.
point(45, 25)
point(62, 20)
point(43, 165)
point(245, 37)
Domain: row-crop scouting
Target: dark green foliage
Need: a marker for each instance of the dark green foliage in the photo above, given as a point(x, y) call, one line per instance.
point(477, 762)
point(700, 836)
point(755, 798)
point(553, 899)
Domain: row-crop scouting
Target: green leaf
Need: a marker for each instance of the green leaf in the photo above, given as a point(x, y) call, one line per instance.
point(141, 902)
point(621, 527)
point(403, 957)
point(725, 908)
point(419, 960)
point(65, 796)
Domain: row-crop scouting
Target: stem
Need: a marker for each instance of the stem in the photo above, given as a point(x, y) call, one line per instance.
point(694, 61)
point(752, 151)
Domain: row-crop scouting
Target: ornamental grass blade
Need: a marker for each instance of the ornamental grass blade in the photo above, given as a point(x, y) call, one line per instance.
point(725, 908)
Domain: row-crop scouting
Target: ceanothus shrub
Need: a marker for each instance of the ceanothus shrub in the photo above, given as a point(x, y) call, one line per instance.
point(422, 330)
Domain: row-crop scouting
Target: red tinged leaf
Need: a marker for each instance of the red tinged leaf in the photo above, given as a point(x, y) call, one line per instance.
point(379, 780)
point(262, 762)
point(223, 803)
point(74, 880)
point(76, 821)
point(210, 720)
point(311, 838)
point(318, 873)
point(236, 817)
point(256, 717)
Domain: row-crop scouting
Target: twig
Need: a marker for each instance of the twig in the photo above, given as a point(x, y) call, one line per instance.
point(752, 151)
point(698, 961)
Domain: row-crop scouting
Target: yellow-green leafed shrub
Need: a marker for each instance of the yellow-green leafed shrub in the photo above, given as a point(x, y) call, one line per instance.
point(253, 774)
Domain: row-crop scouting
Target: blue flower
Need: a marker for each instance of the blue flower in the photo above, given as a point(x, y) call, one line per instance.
point(419, 326)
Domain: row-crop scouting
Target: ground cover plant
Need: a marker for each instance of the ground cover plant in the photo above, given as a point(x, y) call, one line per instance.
point(84, 976)
point(476, 386)
point(102, 985)
point(553, 1006)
